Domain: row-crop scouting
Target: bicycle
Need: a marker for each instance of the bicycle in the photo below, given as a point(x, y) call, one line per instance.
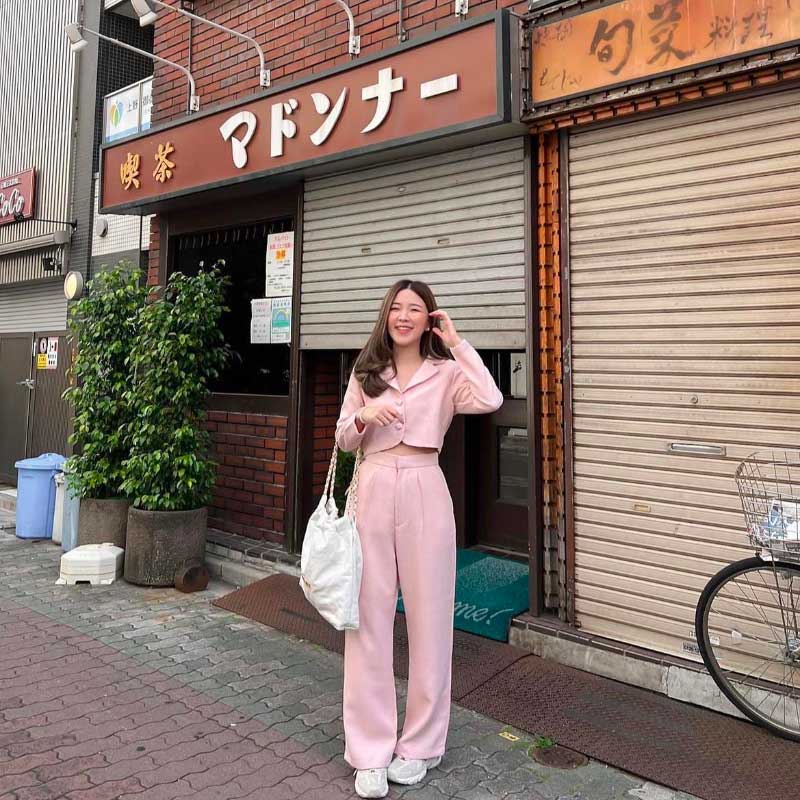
point(748, 617)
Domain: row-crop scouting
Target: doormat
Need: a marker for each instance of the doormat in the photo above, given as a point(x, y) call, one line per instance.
point(692, 749)
point(489, 592)
point(278, 601)
point(665, 741)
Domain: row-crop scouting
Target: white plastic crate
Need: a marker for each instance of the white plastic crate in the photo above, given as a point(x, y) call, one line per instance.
point(97, 564)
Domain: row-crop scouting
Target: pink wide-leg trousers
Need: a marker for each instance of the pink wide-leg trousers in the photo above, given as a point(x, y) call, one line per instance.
point(405, 521)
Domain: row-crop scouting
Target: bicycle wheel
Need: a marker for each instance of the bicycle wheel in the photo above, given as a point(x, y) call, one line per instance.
point(748, 629)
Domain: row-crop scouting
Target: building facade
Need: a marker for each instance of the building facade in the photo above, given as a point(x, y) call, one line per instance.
point(601, 194)
point(51, 128)
point(668, 162)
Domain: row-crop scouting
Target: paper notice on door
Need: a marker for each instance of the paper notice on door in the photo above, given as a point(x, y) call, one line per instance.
point(52, 352)
point(261, 311)
point(280, 264)
point(281, 319)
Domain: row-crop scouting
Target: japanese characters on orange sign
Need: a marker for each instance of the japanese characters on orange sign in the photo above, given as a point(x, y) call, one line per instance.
point(636, 39)
point(452, 82)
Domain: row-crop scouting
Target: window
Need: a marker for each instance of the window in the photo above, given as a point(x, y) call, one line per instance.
point(253, 368)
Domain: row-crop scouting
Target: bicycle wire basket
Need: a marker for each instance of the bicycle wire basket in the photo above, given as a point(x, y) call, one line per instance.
point(769, 489)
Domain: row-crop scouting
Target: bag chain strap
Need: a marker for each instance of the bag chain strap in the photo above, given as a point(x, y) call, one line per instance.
point(351, 503)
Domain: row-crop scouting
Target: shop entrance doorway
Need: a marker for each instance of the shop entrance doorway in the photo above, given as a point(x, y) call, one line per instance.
point(34, 417)
point(500, 455)
point(16, 385)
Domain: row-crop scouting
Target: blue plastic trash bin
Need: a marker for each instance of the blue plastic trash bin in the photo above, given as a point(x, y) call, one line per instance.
point(36, 495)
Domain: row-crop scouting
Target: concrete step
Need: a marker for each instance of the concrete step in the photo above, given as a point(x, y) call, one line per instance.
point(8, 499)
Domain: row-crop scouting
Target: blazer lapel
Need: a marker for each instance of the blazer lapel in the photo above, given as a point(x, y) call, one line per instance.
point(428, 369)
point(390, 378)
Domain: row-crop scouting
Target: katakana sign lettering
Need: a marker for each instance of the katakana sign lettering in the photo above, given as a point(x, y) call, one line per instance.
point(636, 39)
point(455, 80)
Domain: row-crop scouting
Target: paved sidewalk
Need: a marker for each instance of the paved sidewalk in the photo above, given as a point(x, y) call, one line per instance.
point(122, 692)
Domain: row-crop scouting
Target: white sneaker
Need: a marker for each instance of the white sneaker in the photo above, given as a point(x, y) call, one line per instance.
point(412, 770)
point(371, 783)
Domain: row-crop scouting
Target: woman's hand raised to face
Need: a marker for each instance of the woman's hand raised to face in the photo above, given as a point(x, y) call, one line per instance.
point(377, 415)
point(447, 332)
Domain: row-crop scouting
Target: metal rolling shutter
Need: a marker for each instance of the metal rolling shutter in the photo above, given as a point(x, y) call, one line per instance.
point(684, 250)
point(36, 307)
point(455, 220)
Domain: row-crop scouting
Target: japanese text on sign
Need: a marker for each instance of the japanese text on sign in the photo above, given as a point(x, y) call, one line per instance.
point(280, 264)
point(440, 86)
point(47, 352)
point(261, 311)
point(639, 38)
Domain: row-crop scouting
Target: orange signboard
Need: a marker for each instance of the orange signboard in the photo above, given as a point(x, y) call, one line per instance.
point(636, 39)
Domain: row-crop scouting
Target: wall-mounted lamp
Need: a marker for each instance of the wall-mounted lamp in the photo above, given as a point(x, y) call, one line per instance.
point(354, 44)
point(77, 42)
point(51, 264)
point(147, 16)
point(73, 285)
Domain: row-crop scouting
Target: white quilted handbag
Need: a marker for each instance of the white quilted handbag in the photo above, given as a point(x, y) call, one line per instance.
point(331, 561)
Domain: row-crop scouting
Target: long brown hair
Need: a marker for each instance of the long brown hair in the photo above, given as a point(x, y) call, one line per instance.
point(378, 354)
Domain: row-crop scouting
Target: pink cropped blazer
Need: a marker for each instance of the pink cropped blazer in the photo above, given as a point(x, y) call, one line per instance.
point(437, 391)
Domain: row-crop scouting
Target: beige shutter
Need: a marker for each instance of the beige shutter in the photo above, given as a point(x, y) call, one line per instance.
point(35, 307)
point(684, 234)
point(455, 220)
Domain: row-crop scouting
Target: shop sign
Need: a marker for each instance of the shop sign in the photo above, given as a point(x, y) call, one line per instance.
point(635, 39)
point(450, 83)
point(146, 105)
point(127, 111)
point(17, 196)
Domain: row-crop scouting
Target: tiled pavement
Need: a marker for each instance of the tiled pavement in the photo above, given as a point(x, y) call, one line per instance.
point(122, 692)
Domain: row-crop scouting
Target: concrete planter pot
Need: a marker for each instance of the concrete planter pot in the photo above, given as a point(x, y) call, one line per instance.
point(161, 542)
point(103, 521)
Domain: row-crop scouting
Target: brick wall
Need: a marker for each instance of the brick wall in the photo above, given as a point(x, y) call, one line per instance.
point(250, 492)
point(299, 37)
point(324, 411)
point(154, 263)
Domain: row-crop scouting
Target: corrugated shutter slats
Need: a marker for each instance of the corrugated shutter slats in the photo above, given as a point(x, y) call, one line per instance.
point(455, 220)
point(684, 238)
point(35, 307)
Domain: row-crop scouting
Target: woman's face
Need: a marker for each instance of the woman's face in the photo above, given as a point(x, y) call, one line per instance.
point(408, 318)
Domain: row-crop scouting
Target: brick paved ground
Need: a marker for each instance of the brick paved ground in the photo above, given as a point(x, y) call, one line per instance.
point(116, 692)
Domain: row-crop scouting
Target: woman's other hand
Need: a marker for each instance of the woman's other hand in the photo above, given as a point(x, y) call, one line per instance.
point(377, 415)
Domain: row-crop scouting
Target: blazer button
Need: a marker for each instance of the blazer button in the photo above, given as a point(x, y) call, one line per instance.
point(399, 401)
point(399, 425)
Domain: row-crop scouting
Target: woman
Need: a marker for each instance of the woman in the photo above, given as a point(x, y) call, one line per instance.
point(402, 395)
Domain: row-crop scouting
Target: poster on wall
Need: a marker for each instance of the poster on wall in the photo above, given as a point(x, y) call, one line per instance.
point(47, 352)
point(261, 310)
point(281, 320)
point(280, 263)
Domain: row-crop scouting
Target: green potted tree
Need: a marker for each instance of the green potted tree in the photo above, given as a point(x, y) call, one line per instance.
point(103, 327)
point(169, 474)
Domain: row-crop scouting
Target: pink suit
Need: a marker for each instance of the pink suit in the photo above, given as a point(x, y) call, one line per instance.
point(407, 531)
